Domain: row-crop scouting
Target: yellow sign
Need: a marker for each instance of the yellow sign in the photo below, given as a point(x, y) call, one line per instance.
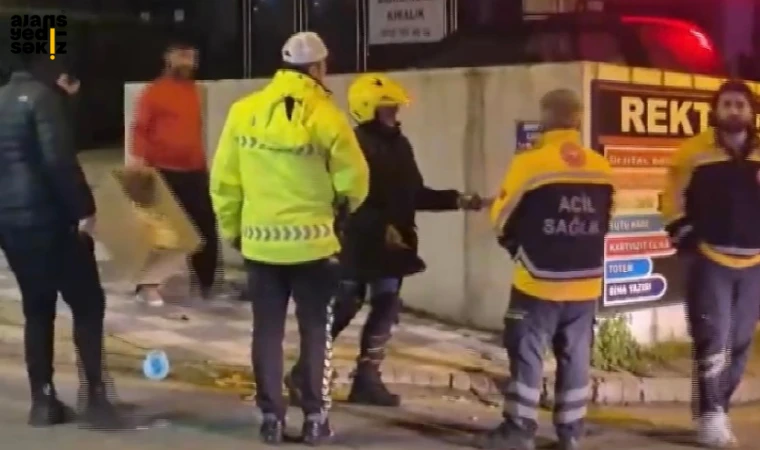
point(628, 114)
point(637, 201)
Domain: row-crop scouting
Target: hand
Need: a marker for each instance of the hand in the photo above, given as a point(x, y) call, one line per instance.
point(235, 243)
point(87, 226)
point(471, 202)
point(393, 238)
point(68, 84)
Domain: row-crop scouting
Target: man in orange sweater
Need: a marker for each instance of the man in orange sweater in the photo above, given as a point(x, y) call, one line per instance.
point(167, 134)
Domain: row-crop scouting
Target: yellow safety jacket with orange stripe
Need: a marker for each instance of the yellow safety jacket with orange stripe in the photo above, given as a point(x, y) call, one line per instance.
point(552, 214)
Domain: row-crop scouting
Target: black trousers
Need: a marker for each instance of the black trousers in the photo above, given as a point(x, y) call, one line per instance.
point(270, 287)
point(385, 306)
point(192, 192)
point(722, 306)
point(47, 261)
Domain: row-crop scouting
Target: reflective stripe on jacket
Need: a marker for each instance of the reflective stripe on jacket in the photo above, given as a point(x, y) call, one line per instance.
point(286, 158)
point(552, 213)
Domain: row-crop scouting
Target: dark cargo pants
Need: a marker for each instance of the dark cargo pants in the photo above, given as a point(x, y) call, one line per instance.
point(312, 286)
point(722, 305)
point(385, 306)
point(530, 325)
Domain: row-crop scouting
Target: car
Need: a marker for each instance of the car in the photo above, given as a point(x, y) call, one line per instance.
point(640, 41)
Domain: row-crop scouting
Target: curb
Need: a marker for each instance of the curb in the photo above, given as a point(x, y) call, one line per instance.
point(608, 389)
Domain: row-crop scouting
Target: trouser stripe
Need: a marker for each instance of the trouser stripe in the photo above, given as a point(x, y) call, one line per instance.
point(327, 374)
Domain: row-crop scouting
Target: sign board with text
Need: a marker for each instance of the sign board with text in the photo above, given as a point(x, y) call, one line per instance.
point(526, 132)
point(406, 21)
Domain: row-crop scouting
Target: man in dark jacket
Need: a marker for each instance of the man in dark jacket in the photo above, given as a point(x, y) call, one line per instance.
point(46, 220)
point(379, 241)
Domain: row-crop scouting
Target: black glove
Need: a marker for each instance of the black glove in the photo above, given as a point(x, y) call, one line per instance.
point(509, 245)
point(235, 243)
point(682, 236)
point(470, 202)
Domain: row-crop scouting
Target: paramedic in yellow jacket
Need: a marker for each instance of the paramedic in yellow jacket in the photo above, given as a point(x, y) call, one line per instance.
point(552, 214)
point(287, 158)
point(711, 208)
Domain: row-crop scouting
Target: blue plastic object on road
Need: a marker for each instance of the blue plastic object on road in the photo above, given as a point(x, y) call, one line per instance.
point(156, 365)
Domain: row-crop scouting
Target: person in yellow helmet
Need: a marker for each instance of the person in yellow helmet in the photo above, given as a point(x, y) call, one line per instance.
point(551, 215)
point(287, 160)
point(380, 239)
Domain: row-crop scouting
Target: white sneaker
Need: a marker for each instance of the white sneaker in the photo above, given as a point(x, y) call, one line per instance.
point(714, 431)
point(150, 296)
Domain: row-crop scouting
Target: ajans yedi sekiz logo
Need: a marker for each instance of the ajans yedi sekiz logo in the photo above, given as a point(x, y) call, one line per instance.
point(38, 35)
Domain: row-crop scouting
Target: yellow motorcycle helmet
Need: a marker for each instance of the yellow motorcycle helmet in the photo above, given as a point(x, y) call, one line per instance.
point(372, 90)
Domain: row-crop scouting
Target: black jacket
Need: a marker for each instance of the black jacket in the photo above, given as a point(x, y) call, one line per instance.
point(41, 182)
point(396, 192)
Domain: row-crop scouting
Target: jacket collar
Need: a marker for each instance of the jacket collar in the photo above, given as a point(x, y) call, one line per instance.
point(374, 126)
point(299, 83)
point(559, 135)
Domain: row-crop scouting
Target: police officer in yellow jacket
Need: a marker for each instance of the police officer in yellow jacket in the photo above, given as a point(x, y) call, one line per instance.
point(552, 214)
point(711, 207)
point(287, 158)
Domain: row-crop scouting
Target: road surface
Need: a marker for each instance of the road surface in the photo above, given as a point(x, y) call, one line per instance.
point(183, 417)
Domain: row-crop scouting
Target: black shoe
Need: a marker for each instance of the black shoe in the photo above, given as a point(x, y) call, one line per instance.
point(101, 414)
point(293, 385)
point(47, 410)
point(272, 431)
point(368, 388)
point(316, 431)
point(506, 437)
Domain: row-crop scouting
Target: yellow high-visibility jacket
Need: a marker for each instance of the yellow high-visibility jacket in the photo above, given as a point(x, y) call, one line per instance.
point(287, 156)
point(552, 214)
point(712, 200)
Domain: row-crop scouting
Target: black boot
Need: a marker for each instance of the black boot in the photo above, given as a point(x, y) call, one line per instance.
point(316, 430)
point(272, 430)
point(47, 410)
point(101, 414)
point(368, 387)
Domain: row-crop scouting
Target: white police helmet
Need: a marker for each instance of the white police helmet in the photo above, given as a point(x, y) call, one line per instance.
point(304, 48)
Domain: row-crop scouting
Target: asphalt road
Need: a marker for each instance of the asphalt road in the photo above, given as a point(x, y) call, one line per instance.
point(184, 417)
